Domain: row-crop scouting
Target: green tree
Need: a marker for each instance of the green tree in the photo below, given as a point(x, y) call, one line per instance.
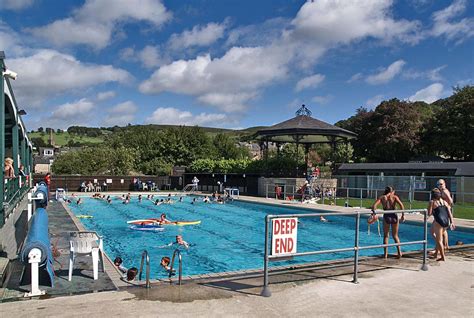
point(450, 132)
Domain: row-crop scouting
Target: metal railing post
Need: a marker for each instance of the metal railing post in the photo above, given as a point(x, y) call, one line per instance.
point(360, 197)
point(356, 249)
point(266, 290)
point(145, 258)
point(425, 243)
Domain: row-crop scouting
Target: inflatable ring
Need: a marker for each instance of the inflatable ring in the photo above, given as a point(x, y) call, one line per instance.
point(372, 219)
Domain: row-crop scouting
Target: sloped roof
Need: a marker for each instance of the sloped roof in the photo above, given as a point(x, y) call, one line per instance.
point(308, 129)
point(460, 168)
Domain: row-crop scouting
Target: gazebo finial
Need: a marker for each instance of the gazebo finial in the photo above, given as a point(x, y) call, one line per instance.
point(303, 111)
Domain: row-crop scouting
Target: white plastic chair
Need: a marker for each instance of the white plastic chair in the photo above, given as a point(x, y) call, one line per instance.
point(86, 243)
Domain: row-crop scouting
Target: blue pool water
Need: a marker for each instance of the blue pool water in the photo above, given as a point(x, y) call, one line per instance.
point(230, 236)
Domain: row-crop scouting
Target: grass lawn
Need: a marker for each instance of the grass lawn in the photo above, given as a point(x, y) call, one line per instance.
point(62, 139)
point(462, 211)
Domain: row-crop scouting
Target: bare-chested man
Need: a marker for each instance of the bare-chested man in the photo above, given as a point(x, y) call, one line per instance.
point(389, 201)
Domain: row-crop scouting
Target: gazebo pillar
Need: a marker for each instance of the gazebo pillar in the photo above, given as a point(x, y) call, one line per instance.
point(297, 138)
point(306, 154)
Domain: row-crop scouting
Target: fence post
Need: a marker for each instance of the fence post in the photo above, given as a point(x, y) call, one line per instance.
point(266, 290)
point(266, 190)
point(425, 243)
point(360, 197)
point(356, 249)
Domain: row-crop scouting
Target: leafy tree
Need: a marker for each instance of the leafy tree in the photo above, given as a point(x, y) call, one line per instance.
point(343, 153)
point(451, 130)
point(39, 142)
point(226, 148)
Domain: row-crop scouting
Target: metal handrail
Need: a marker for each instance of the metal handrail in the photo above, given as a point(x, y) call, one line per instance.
point(147, 258)
point(180, 270)
point(190, 187)
point(266, 291)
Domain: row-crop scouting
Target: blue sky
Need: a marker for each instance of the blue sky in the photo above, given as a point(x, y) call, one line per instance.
point(229, 63)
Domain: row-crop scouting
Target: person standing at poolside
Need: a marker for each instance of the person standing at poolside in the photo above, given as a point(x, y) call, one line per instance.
point(9, 170)
point(443, 218)
point(446, 196)
point(195, 182)
point(389, 202)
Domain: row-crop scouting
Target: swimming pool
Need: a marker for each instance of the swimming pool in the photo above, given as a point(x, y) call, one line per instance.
point(230, 236)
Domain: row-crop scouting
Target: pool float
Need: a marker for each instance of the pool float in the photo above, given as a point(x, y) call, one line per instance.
point(84, 216)
point(148, 227)
point(157, 222)
point(145, 221)
point(183, 223)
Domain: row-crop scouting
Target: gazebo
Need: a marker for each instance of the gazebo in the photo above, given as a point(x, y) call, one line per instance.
point(302, 129)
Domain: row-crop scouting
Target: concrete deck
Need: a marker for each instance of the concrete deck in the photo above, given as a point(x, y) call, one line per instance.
point(393, 288)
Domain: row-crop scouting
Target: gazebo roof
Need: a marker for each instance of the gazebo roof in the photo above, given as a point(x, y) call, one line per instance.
point(306, 129)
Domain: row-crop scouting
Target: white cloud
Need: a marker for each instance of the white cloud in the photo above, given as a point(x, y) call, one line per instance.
point(386, 74)
point(323, 24)
point(322, 99)
point(309, 82)
point(432, 74)
point(149, 56)
point(15, 4)
point(374, 101)
point(428, 94)
point(240, 72)
point(70, 110)
point(174, 116)
point(355, 78)
point(101, 96)
point(9, 40)
point(197, 36)
point(458, 30)
point(93, 23)
point(121, 114)
point(261, 34)
point(317, 27)
point(227, 102)
point(48, 73)
point(79, 112)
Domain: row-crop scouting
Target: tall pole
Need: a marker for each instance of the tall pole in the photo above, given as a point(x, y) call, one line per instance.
point(2, 135)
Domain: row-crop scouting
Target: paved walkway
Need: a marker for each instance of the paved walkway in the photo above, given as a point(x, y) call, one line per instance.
point(445, 290)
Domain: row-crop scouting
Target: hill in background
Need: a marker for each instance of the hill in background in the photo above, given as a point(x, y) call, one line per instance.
point(90, 136)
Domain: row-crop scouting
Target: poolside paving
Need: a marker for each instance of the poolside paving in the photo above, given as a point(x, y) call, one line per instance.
point(60, 223)
point(394, 288)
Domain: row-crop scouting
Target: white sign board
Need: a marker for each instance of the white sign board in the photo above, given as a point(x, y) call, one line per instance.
point(284, 236)
point(109, 181)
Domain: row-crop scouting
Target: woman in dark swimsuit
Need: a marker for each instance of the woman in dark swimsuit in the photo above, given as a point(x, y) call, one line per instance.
point(389, 201)
point(443, 218)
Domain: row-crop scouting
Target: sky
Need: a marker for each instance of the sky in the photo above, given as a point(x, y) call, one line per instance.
point(229, 63)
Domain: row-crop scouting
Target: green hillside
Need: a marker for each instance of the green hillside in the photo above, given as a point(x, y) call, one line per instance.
point(64, 138)
point(81, 138)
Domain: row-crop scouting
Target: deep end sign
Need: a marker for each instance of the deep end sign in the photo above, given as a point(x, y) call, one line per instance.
point(284, 235)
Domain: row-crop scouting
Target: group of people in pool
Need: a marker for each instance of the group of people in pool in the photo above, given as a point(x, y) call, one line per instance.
point(130, 273)
point(440, 207)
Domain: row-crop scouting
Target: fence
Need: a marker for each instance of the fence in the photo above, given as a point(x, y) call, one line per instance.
point(411, 188)
point(356, 248)
point(113, 183)
point(14, 191)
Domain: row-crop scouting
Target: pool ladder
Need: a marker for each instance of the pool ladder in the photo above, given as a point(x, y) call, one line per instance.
point(146, 258)
point(180, 270)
